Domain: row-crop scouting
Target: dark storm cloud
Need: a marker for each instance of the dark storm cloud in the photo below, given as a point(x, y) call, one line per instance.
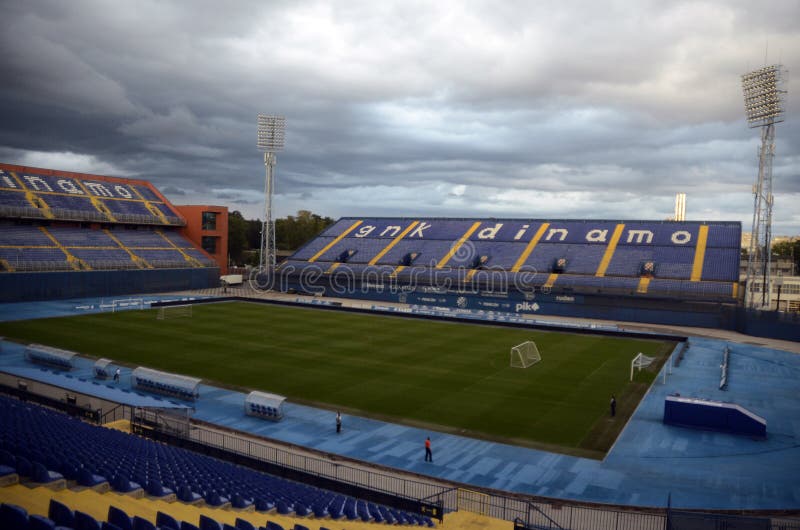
point(446, 108)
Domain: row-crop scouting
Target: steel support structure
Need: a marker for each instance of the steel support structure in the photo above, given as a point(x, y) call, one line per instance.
point(270, 139)
point(759, 254)
point(763, 103)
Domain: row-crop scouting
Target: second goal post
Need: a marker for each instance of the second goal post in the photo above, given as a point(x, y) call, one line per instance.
point(174, 311)
point(640, 361)
point(525, 355)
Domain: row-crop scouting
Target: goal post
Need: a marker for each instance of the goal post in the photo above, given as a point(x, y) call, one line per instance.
point(525, 355)
point(640, 361)
point(174, 311)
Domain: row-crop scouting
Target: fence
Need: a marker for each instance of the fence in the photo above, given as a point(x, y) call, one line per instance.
point(429, 496)
point(424, 496)
point(66, 214)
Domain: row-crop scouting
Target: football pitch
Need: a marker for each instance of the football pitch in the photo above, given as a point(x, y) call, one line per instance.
point(446, 376)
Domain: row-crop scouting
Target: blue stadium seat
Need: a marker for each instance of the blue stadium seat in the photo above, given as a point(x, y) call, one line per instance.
point(156, 489)
point(240, 502)
point(40, 522)
point(24, 467)
point(89, 479)
point(242, 524)
point(140, 523)
point(213, 498)
point(13, 516)
point(120, 518)
point(7, 459)
point(122, 484)
point(207, 523)
point(166, 521)
point(84, 521)
point(43, 476)
point(186, 494)
point(60, 514)
point(264, 505)
point(6, 470)
point(301, 510)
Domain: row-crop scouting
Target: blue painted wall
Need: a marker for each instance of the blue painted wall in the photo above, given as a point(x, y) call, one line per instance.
point(28, 286)
point(597, 306)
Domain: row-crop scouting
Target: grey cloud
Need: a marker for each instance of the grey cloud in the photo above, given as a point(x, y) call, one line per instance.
point(172, 190)
point(625, 103)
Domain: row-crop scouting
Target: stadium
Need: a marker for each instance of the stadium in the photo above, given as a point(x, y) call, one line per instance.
point(492, 321)
point(501, 340)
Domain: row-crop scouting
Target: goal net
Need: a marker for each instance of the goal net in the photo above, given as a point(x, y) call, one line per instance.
point(174, 311)
point(639, 362)
point(524, 355)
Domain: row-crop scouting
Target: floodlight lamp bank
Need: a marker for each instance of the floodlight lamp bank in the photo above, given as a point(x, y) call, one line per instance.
point(271, 132)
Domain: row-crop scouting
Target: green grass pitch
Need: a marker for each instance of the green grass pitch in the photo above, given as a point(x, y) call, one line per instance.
point(449, 376)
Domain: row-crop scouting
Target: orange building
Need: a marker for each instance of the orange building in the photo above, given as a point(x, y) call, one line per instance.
point(207, 226)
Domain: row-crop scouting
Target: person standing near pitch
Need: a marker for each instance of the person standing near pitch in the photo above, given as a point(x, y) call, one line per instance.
point(613, 406)
point(428, 453)
point(338, 422)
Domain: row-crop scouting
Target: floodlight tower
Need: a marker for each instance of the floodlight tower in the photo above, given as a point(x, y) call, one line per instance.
point(270, 140)
point(763, 104)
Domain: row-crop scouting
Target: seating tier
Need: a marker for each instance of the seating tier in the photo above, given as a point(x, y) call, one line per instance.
point(79, 451)
point(596, 254)
point(70, 197)
point(26, 247)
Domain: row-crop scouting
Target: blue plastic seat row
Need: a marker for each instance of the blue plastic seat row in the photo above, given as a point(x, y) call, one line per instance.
point(89, 455)
point(264, 410)
point(44, 358)
point(165, 388)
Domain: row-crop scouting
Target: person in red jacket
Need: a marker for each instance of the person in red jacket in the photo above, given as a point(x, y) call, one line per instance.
point(428, 453)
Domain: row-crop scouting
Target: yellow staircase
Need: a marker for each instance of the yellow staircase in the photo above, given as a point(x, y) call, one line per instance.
point(76, 263)
point(6, 265)
point(155, 211)
point(150, 207)
point(140, 262)
point(193, 262)
point(34, 200)
point(40, 204)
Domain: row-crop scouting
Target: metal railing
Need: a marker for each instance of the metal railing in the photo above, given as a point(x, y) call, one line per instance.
point(120, 412)
point(327, 470)
point(68, 214)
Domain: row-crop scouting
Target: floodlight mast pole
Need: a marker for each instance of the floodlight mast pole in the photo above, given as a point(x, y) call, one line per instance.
point(271, 132)
point(763, 102)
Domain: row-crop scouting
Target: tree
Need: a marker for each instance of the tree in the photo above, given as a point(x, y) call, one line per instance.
point(237, 237)
point(291, 232)
point(294, 231)
point(788, 250)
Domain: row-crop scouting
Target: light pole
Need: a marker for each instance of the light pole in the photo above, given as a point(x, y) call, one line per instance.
point(270, 140)
point(763, 103)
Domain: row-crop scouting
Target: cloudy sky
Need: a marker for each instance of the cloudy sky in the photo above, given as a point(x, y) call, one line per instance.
point(505, 109)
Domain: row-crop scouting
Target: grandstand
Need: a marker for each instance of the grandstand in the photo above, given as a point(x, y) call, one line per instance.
point(53, 223)
point(658, 271)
